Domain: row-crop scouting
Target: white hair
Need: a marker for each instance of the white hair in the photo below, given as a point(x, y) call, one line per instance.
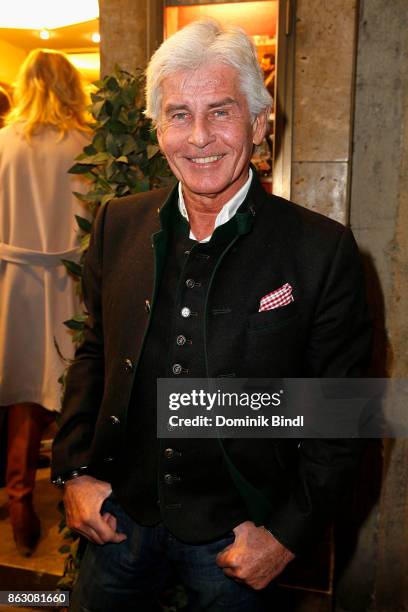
point(202, 43)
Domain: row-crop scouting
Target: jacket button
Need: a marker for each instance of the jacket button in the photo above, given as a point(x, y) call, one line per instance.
point(185, 312)
point(114, 420)
point(190, 283)
point(147, 306)
point(168, 479)
point(128, 365)
point(181, 340)
point(169, 453)
point(177, 369)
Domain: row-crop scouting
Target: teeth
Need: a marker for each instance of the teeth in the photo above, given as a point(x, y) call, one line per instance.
point(206, 160)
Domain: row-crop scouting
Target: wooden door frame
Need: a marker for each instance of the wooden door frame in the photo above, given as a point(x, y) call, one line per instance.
point(285, 62)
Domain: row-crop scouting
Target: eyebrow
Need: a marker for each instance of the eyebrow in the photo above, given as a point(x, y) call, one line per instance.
point(178, 107)
point(223, 102)
point(175, 107)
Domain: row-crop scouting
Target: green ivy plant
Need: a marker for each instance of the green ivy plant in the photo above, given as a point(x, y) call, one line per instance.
point(122, 158)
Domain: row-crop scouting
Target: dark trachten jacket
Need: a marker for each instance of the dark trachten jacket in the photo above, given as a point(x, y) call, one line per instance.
point(324, 332)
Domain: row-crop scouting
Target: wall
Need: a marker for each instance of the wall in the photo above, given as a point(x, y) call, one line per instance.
point(324, 77)
point(377, 575)
point(350, 161)
point(11, 59)
point(130, 31)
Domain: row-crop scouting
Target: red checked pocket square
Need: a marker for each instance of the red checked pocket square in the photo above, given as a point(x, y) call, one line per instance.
point(275, 299)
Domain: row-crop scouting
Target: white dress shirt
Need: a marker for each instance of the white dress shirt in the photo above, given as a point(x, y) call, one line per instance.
point(227, 211)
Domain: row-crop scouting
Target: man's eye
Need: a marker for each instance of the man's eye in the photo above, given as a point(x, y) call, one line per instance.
point(220, 113)
point(180, 116)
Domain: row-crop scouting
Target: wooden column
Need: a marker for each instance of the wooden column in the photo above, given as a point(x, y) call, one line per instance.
point(130, 31)
point(377, 575)
point(322, 112)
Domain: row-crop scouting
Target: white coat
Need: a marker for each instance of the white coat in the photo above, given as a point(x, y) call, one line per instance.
point(37, 230)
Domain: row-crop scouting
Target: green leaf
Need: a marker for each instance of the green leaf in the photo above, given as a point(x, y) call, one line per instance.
point(107, 198)
point(103, 184)
point(129, 94)
point(72, 267)
point(90, 150)
point(112, 84)
point(65, 548)
point(99, 142)
point(78, 169)
point(123, 159)
point(113, 144)
point(76, 323)
point(117, 127)
point(87, 197)
point(78, 337)
point(72, 324)
point(98, 84)
point(123, 190)
point(83, 224)
point(96, 108)
point(84, 246)
point(129, 145)
point(152, 150)
point(98, 158)
point(89, 175)
point(133, 115)
point(140, 185)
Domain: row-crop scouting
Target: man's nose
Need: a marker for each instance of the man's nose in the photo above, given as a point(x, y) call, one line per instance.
point(201, 133)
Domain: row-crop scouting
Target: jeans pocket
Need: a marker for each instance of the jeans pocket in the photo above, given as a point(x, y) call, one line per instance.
point(107, 503)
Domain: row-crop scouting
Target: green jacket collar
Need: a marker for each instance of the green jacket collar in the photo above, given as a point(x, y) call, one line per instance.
point(240, 224)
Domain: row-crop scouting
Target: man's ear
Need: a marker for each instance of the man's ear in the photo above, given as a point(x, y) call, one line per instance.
point(259, 126)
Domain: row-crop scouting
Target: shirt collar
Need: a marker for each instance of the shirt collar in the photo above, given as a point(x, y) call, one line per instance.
point(227, 211)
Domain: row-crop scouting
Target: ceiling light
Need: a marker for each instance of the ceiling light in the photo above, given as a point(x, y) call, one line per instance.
point(47, 13)
point(85, 61)
point(44, 34)
point(96, 37)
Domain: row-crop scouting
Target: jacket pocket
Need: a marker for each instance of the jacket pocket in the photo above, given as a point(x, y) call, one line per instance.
point(273, 319)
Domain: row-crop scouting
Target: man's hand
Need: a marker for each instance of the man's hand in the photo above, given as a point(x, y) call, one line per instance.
point(255, 558)
point(83, 499)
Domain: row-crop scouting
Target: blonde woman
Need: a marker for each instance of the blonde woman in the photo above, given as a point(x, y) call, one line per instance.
point(5, 104)
point(44, 132)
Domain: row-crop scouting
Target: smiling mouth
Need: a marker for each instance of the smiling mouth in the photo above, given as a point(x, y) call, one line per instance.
point(205, 160)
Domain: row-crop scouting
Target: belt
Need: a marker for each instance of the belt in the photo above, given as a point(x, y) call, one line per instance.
point(29, 257)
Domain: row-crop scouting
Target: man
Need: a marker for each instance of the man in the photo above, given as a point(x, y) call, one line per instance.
point(177, 293)
point(268, 69)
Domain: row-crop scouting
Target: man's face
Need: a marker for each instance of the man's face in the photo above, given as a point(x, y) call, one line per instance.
point(206, 132)
point(266, 64)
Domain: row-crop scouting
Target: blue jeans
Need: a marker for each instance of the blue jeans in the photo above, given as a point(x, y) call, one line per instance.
point(131, 575)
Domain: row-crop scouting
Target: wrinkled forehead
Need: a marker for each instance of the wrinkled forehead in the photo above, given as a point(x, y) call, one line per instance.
point(206, 78)
point(206, 82)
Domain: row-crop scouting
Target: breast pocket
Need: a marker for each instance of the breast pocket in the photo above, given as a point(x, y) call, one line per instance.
point(273, 319)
